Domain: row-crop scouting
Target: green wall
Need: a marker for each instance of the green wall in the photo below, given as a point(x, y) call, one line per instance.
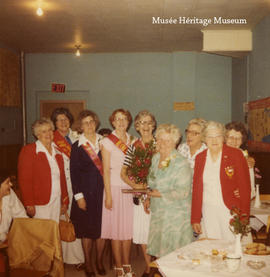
point(134, 81)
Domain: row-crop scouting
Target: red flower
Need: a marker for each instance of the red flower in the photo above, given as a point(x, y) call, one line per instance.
point(138, 163)
point(147, 161)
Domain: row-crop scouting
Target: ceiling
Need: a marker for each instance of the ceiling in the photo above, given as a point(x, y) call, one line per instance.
point(117, 25)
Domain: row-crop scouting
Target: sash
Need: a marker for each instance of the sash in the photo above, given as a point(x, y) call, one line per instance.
point(93, 156)
point(62, 144)
point(118, 143)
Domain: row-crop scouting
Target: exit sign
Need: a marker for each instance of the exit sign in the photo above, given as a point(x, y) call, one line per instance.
point(58, 88)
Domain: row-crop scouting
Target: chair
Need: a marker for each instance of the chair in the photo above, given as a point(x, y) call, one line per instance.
point(34, 246)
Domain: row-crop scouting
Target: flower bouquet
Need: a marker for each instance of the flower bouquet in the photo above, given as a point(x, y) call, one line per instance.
point(139, 167)
point(140, 163)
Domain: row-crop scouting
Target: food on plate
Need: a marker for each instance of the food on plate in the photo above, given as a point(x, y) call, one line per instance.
point(256, 249)
point(196, 261)
point(180, 257)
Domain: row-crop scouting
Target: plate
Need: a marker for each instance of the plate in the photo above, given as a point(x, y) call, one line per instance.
point(255, 255)
point(256, 264)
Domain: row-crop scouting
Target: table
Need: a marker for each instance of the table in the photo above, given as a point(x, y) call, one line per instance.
point(171, 266)
point(261, 213)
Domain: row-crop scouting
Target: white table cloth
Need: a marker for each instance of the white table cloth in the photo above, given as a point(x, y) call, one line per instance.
point(261, 213)
point(171, 266)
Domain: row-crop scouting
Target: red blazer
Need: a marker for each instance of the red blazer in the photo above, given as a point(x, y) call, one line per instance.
point(233, 158)
point(34, 176)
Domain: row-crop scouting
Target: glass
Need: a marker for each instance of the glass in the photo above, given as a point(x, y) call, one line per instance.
point(216, 263)
point(233, 262)
point(192, 133)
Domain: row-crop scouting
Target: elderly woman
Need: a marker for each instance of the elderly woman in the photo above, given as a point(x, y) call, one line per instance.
point(219, 171)
point(142, 149)
point(170, 181)
point(236, 136)
point(194, 144)
point(41, 174)
point(63, 138)
point(87, 184)
point(117, 217)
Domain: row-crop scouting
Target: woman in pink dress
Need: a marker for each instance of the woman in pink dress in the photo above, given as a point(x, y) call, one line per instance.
point(117, 215)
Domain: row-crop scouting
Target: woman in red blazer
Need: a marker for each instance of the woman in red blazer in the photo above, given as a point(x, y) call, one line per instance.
point(219, 171)
point(41, 175)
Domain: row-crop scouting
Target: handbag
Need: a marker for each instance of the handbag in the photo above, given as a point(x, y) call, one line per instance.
point(66, 229)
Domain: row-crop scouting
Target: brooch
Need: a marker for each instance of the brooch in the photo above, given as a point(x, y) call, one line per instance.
point(229, 171)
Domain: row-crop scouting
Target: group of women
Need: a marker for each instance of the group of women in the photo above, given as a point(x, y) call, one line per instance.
point(164, 208)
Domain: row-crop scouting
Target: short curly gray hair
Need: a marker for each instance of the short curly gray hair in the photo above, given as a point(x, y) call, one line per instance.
point(213, 125)
point(39, 123)
point(170, 129)
point(197, 121)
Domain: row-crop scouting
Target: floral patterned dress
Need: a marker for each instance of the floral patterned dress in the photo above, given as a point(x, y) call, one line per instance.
point(170, 226)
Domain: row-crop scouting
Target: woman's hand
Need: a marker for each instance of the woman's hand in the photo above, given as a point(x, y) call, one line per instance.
point(146, 205)
point(251, 162)
point(31, 210)
point(108, 203)
point(139, 186)
point(197, 228)
point(82, 204)
point(64, 208)
point(154, 193)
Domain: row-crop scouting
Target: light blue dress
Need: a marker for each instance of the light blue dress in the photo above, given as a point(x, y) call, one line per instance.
point(170, 226)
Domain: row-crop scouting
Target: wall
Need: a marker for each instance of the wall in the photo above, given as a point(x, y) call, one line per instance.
point(259, 68)
point(239, 88)
point(10, 112)
point(250, 75)
point(134, 81)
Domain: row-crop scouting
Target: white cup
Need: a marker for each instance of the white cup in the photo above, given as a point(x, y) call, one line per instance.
point(233, 262)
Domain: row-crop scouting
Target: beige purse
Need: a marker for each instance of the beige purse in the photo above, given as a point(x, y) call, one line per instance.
point(66, 229)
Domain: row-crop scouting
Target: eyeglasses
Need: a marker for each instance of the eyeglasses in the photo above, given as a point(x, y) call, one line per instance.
point(214, 137)
point(120, 119)
point(88, 122)
point(62, 120)
point(149, 123)
point(192, 133)
point(234, 138)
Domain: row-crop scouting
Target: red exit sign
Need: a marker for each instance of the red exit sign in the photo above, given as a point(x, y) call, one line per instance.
point(58, 88)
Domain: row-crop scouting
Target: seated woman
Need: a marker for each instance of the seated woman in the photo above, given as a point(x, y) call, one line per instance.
point(194, 144)
point(41, 175)
point(11, 207)
point(170, 180)
point(236, 136)
point(219, 171)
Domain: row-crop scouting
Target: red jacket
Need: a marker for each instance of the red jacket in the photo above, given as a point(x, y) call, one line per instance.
point(34, 176)
point(231, 158)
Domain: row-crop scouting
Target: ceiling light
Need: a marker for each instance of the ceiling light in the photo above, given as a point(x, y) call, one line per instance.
point(39, 11)
point(78, 53)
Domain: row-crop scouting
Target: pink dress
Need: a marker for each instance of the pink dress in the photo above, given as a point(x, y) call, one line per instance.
point(117, 224)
